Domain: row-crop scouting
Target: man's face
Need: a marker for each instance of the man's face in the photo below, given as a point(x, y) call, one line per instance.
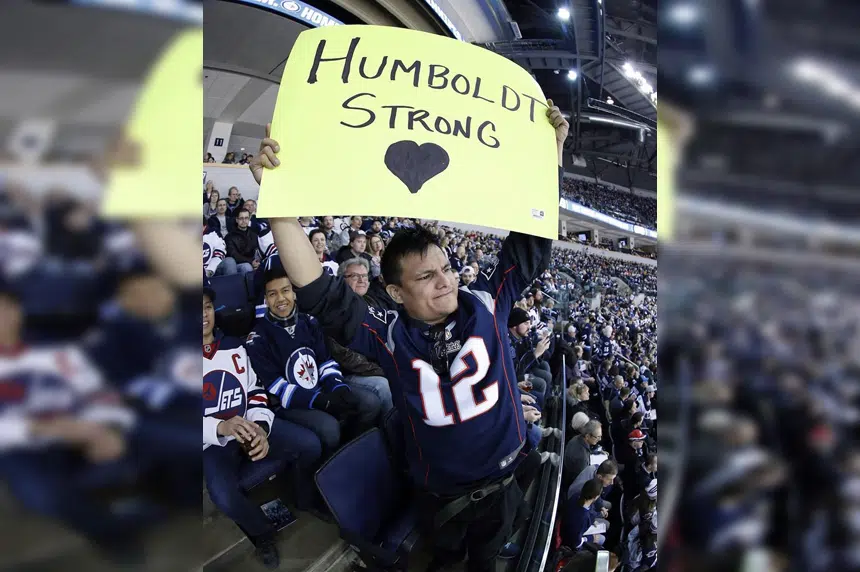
point(280, 298)
point(243, 220)
point(636, 444)
point(652, 467)
point(233, 194)
point(607, 480)
point(522, 329)
point(251, 206)
point(327, 223)
point(359, 244)
point(571, 331)
point(376, 226)
point(619, 382)
point(584, 395)
point(208, 316)
point(357, 278)
point(530, 301)
point(428, 288)
point(538, 296)
point(479, 254)
point(476, 268)
point(356, 221)
point(10, 319)
point(318, 242)
point(594, 439)
point(461, 251)
point(221, 207)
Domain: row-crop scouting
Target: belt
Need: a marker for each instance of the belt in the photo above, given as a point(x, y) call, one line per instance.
point(460, 503)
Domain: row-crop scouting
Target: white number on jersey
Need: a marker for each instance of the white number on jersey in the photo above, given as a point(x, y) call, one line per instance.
point(464, 396)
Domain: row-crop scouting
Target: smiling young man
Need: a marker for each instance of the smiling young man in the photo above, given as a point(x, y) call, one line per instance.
point(446, 356)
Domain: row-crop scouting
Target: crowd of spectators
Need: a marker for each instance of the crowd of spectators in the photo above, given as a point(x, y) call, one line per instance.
point(99, 373)
point(622, 205)
point(610, 341)
point(776, 388)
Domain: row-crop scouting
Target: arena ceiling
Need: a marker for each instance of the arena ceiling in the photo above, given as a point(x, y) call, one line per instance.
point(74, 72)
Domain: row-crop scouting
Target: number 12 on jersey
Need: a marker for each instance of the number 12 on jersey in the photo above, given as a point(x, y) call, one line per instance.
point(464, 380)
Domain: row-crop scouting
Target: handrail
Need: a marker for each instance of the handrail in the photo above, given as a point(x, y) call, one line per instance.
point(549, 535)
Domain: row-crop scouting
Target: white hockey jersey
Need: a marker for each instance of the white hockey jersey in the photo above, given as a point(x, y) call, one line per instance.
point(41, 383)
point(214, 251)
point(230, 388)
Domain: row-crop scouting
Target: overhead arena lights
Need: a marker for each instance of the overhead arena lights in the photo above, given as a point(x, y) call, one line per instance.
point(640, 82)
point(563, 14)
point(683, 14)
point(827, 79)
point(572, 75)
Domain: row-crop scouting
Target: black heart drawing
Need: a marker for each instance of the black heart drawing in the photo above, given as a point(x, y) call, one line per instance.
point(414, 164)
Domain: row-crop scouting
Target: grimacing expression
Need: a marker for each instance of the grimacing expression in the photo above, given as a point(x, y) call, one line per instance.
point(428, 286)
point(280, 297)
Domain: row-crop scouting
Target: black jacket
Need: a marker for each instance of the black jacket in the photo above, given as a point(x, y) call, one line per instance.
point(242, 245)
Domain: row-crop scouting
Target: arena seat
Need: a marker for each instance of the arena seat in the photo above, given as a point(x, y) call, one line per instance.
point(234, 307)
point(380, 527)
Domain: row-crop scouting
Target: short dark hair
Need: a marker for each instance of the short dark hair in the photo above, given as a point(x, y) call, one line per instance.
point(608, 467)
point(650, 458)
point(591, 490)
point(313, 232)
point(405, 242)
point(240, 211)
point(274, 270)
point(638, 417)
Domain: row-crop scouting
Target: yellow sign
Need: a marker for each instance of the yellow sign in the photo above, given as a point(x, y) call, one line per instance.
point(402, 123)
point(166, 127)
point(665, 181)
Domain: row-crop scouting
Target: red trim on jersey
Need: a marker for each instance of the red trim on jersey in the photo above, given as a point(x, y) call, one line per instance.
point(258, 398)
point(501, 345)
point(408, 416)
point(209, 350)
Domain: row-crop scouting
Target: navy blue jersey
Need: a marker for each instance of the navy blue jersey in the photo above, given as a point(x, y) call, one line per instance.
point(603, 348)
point(126, 347)
point(463, 423)
point(292, 360)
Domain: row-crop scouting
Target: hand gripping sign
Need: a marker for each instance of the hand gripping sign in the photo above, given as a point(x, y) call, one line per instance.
point(405, 123)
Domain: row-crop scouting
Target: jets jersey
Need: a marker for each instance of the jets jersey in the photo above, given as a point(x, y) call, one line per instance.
point(454, 383)
point(266, 242)
point(292, 360)
point(41, 383)
point(230, 388)
point(604, 349)
point(213, 251)
point(534, 316)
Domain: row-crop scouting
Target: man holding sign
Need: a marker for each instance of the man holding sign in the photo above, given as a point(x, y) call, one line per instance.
point(446, 356)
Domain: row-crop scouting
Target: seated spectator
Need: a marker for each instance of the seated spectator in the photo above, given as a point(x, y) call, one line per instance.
point(214, 251)
point(526, 355)
point(234, 202)
point(221, 222)
point(578, 396)
point(259, 225)
point(577, 452)
point(579, 517)
point(62, 424)
point(287, 350)
point(209, 158)
point(355, 223)
point(467, 276)
point(357, 369)
point(317, 238)
point(375, 249)
point(355, 248)
point(242, 245)
point(646, 473)
point(606, 473)
point(210, 207)
point(458, 261)
point(240, 431)
point(229, 158)
point(333, 238)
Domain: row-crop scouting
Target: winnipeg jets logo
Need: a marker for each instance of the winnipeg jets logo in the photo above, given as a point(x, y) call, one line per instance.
point(292, 331)
point(251, 337)
point(378, 314)
point(207, 252)
point(302, 367)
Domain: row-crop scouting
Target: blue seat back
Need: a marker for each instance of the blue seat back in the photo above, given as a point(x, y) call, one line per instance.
point(230, 291)
point(255, 473)
point(393, 427)
point(361, 487)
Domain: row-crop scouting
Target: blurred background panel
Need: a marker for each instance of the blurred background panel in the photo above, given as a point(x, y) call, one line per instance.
point(94, 469)
point(759, 310)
